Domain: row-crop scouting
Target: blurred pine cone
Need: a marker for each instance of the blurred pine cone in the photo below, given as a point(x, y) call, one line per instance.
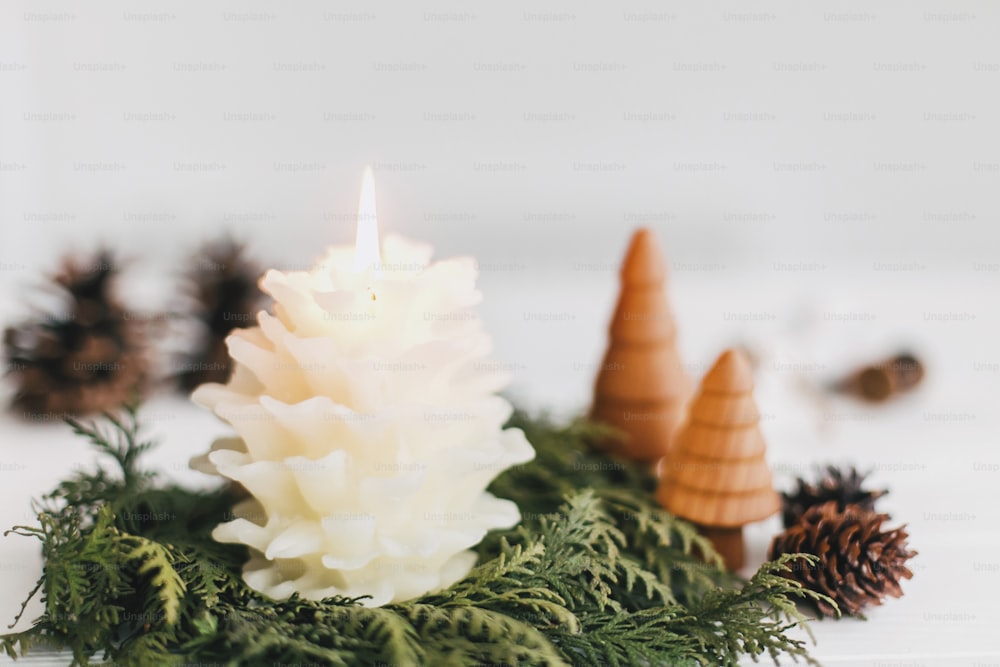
point(845, 486)
point(223, 284)
point(859, 564)
point(89, 359)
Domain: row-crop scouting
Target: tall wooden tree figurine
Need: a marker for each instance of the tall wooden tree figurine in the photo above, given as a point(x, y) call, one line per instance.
point(642, 386)
point(716, 474)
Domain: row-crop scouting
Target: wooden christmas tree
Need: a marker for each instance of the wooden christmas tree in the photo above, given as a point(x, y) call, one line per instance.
point(715, 474)
point(642, 386)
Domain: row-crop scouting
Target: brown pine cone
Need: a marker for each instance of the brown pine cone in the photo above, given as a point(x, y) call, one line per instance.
point(89, 359)
point(841, 485)
point(859, 564)
point(884, 379)
point(223, 284)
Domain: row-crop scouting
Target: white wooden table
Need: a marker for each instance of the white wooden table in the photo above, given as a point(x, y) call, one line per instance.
point(937, 450)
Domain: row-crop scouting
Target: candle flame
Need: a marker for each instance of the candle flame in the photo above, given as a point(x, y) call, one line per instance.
point(366, 249)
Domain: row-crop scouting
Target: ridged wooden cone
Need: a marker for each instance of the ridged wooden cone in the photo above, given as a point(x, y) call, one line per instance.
point(716, 474)
point(641, 386)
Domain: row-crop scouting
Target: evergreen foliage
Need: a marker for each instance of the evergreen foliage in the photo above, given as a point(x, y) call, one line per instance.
point(595, 574)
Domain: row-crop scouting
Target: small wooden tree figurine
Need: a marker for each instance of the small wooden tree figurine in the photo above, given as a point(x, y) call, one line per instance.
point(642, 386)
point(715, 474)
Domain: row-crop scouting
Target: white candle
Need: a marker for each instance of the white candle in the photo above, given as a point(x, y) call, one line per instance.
point(366, 250)
point(368, 424)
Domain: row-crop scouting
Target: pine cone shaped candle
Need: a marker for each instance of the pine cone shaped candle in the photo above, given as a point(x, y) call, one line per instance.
point(88, 359)
point(223, 283)
point(859, 563)
point(370, 428)
point(846, 487)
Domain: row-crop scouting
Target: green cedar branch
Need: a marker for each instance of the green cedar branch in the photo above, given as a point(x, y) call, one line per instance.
point(596, 573)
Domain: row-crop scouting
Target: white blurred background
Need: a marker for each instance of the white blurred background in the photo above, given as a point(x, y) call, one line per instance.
point(781, 143)
point(841, 134)
point(822, 177)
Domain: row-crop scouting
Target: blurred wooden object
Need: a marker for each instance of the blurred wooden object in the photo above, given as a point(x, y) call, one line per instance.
point(716, 474)
point(882, 380)
point(642, 386)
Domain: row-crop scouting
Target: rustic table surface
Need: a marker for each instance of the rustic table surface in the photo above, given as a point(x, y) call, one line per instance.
point(935, 449)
